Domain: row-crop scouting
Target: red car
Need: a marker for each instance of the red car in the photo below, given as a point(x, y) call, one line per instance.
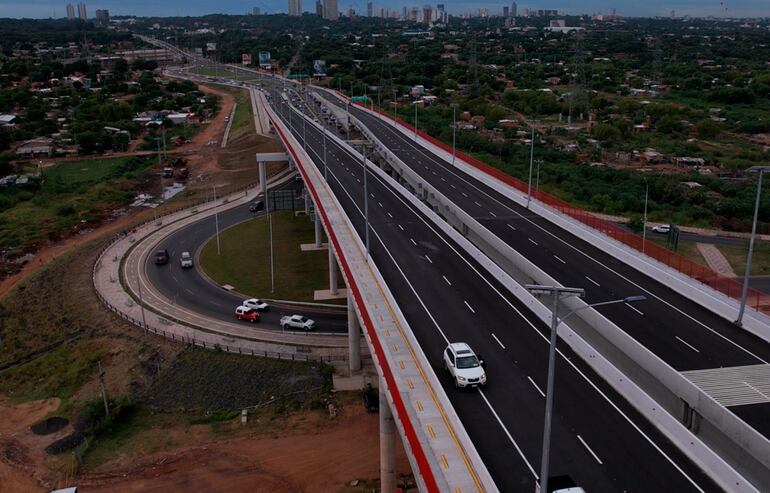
point(246, 313)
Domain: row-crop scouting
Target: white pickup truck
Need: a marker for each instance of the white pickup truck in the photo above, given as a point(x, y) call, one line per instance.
point(297, 322)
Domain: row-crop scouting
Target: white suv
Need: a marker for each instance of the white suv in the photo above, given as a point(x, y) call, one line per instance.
point(464, 366)
point(186, 260)
point(256, 304)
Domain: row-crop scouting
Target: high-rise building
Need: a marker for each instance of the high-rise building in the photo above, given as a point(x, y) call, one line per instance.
point(319, 8)
point(427, 14)
point(82, 11)
point(295, 7)
point(70, 12)
point(514, 9)
point(369, 9)
point(506, 11)
point(331, 10)
point(256, 11)
point(103, 16)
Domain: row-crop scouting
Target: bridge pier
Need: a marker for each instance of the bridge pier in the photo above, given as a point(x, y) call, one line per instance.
point(387, 443)
point(263, 179)
point(318, 230)
point(354, 336)
point(332, 272)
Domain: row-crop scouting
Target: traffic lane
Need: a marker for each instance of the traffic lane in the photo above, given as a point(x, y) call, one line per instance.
point(458, 319)
point(667, 333)
point(695, 321)
point(190, 290)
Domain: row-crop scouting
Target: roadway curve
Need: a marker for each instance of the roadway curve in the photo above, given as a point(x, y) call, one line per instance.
point(191, 289)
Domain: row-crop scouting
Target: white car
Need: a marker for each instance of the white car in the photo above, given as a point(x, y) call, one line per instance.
point(256, 304)
point(186, 260)
point(464, 366)
point(297, 322)
point(662, 228)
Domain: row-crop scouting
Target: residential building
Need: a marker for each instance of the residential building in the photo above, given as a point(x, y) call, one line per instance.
point(70, 12)
point(103, 15)
point(295, 7)
point(331, 10)
point(82, 11)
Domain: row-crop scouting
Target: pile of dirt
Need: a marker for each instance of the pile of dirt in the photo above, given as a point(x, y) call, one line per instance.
point(205, 380)
point(49, 425)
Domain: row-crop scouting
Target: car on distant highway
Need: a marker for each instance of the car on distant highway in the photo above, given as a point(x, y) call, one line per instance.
point(161, 257)
point(465, 368)
point(256, 206)
point(246, 313)
point(256, 304)
point(662, 228)
point(297, 322)
point(186, 260)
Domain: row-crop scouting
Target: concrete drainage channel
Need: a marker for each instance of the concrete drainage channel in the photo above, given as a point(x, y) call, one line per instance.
point(118, 285)
point(649, 384)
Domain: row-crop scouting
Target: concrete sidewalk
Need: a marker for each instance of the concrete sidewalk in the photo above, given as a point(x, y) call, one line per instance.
point(716, 260)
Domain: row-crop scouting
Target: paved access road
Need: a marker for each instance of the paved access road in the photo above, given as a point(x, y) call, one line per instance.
point(189, 289)
point(597, 438)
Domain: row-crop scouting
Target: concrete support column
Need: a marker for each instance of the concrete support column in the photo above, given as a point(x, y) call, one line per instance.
point(354, 335)
point(318, 230)
point(307, 201)
point(263, 179)
point(387, 444)
point(332, 271)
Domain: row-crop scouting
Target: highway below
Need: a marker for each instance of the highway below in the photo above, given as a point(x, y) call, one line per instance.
point(598, 439)
point(189, 289)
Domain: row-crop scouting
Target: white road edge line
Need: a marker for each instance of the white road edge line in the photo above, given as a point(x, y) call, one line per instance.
point(507, 433)
point(589, 450)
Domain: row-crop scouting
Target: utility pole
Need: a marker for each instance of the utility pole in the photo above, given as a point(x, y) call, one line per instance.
point(531, 162)
point(104, 390)
point(760, 170)
point(216, 217)
point(644, 222)
point(454, 132)
point(415, 121)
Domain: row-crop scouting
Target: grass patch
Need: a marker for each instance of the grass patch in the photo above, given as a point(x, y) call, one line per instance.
point(215, 417)
point(736, 255)
point(245, 259)
point(58, 373)
point(214, 72)
point(71, 195)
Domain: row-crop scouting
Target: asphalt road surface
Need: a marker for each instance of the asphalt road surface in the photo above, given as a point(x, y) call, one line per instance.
point(190, 290)
point(597, 438)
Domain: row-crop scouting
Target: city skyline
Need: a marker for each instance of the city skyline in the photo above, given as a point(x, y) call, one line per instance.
point(147, 8)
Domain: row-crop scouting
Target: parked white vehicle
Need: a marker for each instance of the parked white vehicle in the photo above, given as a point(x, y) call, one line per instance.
point(186, 260)
point(661, 228)
point(256, 304)
point(297, 322)
point(464, 366)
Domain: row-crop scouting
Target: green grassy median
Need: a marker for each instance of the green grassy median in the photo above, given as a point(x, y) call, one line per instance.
point(245, 259)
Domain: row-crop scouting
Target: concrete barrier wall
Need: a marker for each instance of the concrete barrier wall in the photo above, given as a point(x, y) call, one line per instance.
point(748, 450)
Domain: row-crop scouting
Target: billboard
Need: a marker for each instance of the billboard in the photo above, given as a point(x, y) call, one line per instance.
point(211, 47)
point(246, 59)
point(264, 60)
point(199, 51)
point(319, 68)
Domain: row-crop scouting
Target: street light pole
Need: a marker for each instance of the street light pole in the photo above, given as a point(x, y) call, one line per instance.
point(454, 133)
point(761, 172)
point(537, 179)
point(644, 225)
point(216, 216)
point(558, 292)
point(531, 162)
point(415, 121)
point(366, 198)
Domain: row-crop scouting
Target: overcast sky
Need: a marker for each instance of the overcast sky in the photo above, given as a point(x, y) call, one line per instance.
point(48, 8)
